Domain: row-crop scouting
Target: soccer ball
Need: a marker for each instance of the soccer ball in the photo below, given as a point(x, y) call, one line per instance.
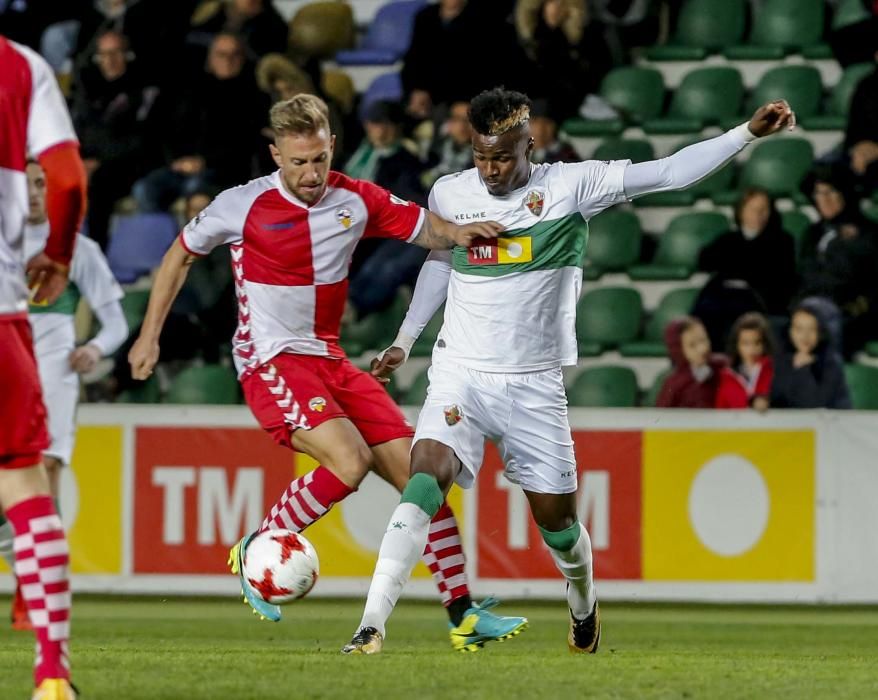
point(281, 566)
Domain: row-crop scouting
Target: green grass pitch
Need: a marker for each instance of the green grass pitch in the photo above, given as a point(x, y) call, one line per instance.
point(181, 649)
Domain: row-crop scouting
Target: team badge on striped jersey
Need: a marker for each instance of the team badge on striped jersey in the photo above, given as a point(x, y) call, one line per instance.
point(534, 202)
point(345, 217)
point(453, 415)
point(318, 403)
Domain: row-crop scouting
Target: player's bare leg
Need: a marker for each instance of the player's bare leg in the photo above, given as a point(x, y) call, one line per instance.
point(344, 459)
point(570, 547)
point(434, 466)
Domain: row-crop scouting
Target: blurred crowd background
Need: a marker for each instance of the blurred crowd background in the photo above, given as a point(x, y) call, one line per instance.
point(772, 261)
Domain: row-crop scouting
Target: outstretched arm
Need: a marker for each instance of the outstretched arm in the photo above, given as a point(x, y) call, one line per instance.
point(169, 279)
point(430, 292)
point(438, 234)
point(696, 162)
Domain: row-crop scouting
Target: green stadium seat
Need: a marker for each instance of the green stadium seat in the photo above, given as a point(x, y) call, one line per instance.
point(635, 150)
point(423, 346)
point(614, 239)
point(778, 166)
point(720, 181)
point(651, 396)
point(637, 93)
point(796, 223)
point(607, 318)
point(871, 348)
point(801, 86)
point(134, 305)
point(148, 391)
point(781, 27)
point(606, 387)
point(703, 27)
point(416, 394)
point(677, 255)
point(849, 12)
point(208, 384)
point(863, 385)
point(705, 96)
point(838, 105)
point(374, 331)
point(676, 303)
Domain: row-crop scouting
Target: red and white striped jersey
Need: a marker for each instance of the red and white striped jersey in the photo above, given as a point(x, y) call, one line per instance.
point(33, 119)
point(290, 261)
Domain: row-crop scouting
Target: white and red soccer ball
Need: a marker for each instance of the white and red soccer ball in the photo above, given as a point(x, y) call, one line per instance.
point(281, 566)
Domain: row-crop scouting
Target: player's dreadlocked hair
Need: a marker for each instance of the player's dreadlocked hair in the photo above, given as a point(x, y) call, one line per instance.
point(494, 112)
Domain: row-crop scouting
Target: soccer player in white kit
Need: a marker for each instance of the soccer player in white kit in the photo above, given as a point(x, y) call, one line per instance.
point(509, 327)
point(59, 361)
point(34, 120)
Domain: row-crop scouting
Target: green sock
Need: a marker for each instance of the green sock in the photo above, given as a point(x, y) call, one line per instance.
point(561, 540)
point(423, 491)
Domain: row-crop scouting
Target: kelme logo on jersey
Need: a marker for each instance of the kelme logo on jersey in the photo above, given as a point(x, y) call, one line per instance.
point(318, 403)
point(534, 202)
point(500, 251)
point(345, 217)
point(453, 414)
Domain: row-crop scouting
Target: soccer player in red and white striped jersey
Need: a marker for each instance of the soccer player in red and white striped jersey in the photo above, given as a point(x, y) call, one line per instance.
point(292, 234)
point(34, 120)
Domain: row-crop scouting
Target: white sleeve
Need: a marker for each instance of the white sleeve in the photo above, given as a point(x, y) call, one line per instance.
point(221, 222)
point(48, 121)
point(91, 273)
point(595, 184)
point(114, 328)
point(430, 292)
point(687, 166)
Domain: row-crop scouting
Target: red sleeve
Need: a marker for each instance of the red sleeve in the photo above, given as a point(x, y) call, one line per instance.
point(766, 376)
point(65, 198)
point(667, 397)
point(389, 216)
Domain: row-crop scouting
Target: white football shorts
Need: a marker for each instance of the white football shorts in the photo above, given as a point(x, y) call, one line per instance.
point(525, 415)
point(60, 386)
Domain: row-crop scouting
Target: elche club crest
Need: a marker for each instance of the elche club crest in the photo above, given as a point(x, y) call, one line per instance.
point(534, 202)
point(345, 217)
point(453, 415)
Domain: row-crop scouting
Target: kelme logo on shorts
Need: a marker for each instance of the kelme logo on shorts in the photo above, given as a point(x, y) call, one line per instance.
point(318, 403)
point(501, 251)
point(453, 415)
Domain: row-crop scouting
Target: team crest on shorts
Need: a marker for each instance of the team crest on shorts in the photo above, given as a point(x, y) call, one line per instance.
point(345, 217)
point(534, 201)
point(318, 403)
point(453, 415)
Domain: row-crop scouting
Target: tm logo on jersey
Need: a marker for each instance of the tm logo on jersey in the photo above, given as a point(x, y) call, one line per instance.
point(500, 251)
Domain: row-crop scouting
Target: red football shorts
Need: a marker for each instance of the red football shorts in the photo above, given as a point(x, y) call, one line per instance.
point(23, 433)
point(293, 392)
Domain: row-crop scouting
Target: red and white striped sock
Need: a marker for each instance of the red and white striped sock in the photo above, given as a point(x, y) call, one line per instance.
point(41, 561)
point(306, 500)
point(444, 556)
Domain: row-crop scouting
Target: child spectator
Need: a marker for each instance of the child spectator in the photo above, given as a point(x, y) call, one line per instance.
point(809, 374)
point(694, 380)
point(747, 381)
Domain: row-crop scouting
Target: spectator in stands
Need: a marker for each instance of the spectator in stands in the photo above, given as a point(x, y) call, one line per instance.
point(383, 157)
point(111, 108)
point(212, 129)
point(567, 50)
point(861, 137)
point(808, 374)
point(840, 256)
point(458, 49)
point(257, 22)
point(453, 152)
point(631, 24)
point(753, 267)
point(544, 130)
point(746, 382)
point(856, 42)
point(694, 381)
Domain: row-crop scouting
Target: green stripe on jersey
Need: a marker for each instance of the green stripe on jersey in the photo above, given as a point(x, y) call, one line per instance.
point(65, 304)
point(547, 245)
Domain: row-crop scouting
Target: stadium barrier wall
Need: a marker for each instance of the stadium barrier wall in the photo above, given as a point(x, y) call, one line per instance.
point(681, 505)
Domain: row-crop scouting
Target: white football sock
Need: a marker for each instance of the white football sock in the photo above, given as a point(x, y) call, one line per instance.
point(576, 566)
point(402, 547)
point(7, 535)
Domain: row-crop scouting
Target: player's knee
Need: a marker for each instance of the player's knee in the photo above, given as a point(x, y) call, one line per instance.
point(52, 465)
point(423, 491)
point(350, 463)
point(436, 460)
point(563, 539)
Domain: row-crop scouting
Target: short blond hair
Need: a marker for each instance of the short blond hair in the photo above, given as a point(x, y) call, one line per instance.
point(302, 114)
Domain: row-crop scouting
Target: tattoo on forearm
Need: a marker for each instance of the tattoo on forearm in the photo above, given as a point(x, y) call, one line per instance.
point(431, 238)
